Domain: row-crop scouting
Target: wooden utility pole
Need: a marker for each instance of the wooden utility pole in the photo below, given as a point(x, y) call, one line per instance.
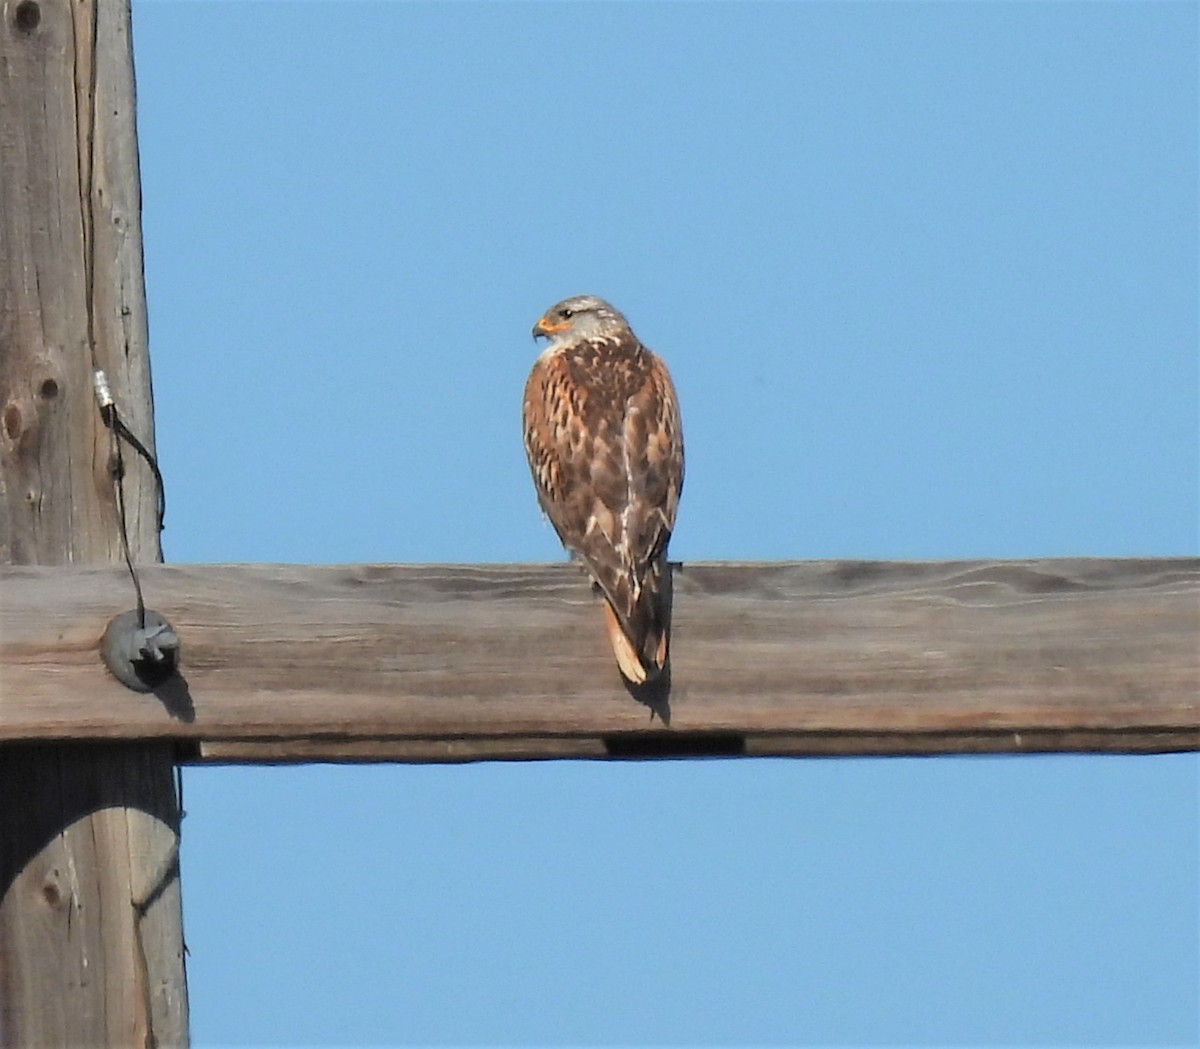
point(91, 947)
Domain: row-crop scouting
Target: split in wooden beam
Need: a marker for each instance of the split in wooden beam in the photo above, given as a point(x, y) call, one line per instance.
point(467, 662)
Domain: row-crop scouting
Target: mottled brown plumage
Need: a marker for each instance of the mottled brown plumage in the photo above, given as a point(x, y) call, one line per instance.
point(605, 445)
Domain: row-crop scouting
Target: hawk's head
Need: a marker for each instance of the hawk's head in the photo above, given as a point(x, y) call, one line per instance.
point(580, 317)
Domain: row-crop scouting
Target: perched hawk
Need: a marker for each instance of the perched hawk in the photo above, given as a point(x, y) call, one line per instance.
point(605, 446)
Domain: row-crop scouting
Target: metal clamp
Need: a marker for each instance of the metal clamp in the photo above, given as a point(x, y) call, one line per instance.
point(140, 657)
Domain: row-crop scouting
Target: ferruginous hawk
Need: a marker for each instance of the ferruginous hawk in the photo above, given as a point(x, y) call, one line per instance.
point(605, 445)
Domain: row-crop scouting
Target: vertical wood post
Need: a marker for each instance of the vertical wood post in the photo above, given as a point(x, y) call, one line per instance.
point(91, 950)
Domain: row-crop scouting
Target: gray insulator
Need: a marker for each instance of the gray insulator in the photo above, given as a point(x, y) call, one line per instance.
point(141, 658)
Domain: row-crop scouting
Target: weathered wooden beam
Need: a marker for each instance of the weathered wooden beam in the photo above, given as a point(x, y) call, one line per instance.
point(91, 949)
point(449, 663)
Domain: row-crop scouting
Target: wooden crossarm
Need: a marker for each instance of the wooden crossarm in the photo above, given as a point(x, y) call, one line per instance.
point(465, 662)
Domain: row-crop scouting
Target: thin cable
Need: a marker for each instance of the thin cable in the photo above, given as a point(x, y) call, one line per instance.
point(123, 431)
point(118, 431)
point(119, 492)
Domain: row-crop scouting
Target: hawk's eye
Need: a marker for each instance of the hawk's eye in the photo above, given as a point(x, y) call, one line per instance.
point(568, 314)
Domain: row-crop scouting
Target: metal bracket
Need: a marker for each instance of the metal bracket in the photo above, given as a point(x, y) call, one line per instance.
point(141, 658)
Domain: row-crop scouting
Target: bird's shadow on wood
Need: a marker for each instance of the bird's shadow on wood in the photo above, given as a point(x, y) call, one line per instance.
point(654, 694)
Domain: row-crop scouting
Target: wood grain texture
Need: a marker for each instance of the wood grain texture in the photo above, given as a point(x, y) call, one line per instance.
point(71, 291)
point(91, 950)
point(445, 663)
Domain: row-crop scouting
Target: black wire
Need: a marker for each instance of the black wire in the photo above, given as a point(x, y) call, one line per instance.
point(118, 432)
point(124, 431)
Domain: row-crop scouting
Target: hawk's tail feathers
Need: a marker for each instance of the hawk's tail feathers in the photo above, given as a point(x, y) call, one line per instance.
point(641, 645)
point(627, 658)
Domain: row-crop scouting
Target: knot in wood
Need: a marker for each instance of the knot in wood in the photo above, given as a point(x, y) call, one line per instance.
point(19, 422)
point(51, 893)
point(14, 424)
point(27, 16)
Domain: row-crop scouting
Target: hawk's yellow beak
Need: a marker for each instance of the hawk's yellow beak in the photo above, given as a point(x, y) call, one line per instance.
point(547, 327)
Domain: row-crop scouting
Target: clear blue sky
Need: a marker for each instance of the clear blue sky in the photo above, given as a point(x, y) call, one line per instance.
point(926, 277)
